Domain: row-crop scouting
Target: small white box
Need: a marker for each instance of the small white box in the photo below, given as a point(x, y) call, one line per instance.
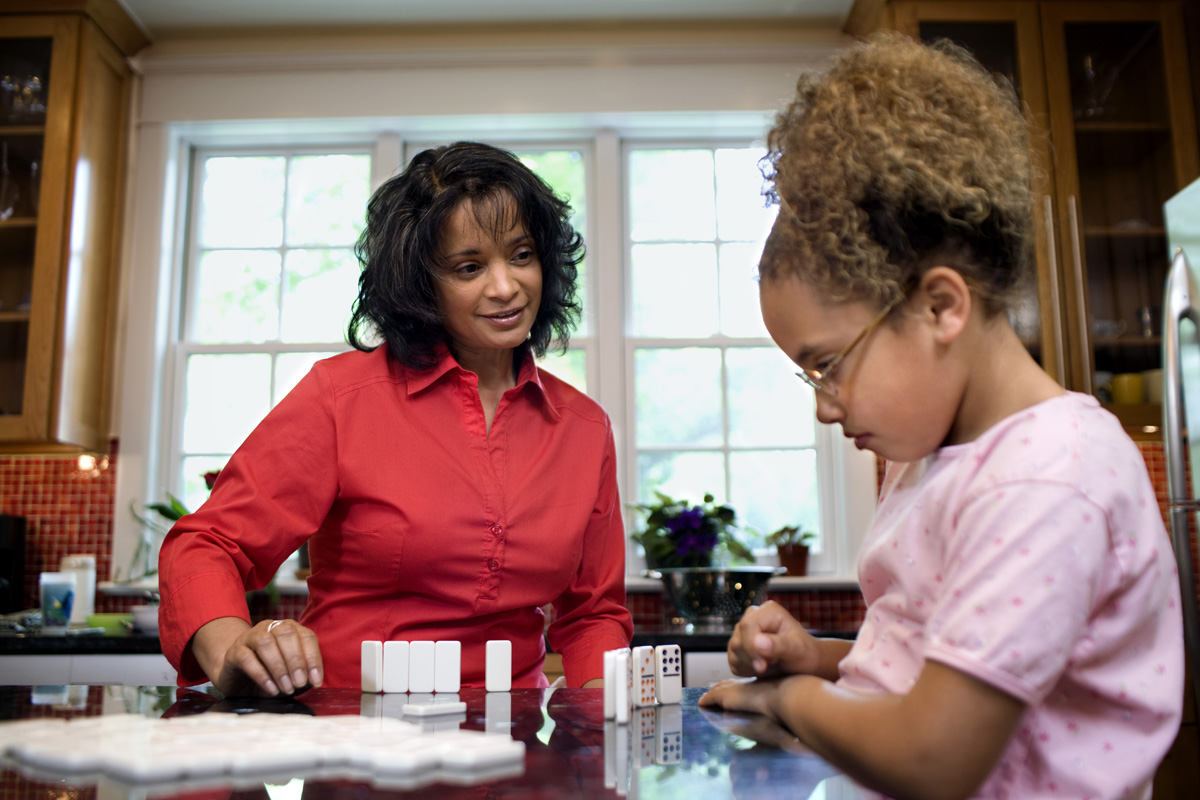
point(395, 667)
point(499, 665)
point(372, 666)
point(421, 658)
point(447, 666)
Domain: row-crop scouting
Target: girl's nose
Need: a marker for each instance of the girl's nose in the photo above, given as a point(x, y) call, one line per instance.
point(829, 410)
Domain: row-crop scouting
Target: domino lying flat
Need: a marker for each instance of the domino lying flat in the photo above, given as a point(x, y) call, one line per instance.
point(424, 666)
point(138, 749)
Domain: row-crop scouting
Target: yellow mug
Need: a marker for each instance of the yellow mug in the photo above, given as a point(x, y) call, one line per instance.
point(1128, 387)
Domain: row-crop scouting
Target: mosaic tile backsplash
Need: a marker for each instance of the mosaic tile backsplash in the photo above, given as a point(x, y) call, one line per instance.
point(68, 503)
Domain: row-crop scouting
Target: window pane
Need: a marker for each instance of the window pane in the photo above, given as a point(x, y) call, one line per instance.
point(242, 202)
point(327, 199)
point(678, 396)
point(226, 396)
point(565, 172)
point(319, 289)
point(775, 488)
point(195, 490)
point(768, 405)
point(570, 366)
point(674, 290)
point(671, 195)
point(740, 312)
point(237, 297)
point(290, 368)
point(741, 208)
point(684, 476)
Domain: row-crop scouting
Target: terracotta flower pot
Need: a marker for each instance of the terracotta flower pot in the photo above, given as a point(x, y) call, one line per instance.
point(794, 557)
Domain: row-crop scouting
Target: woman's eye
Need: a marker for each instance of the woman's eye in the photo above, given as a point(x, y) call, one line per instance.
point(466, 270)
point(523, 255)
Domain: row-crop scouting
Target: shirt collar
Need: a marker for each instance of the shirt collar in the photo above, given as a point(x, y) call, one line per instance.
point(529, 377)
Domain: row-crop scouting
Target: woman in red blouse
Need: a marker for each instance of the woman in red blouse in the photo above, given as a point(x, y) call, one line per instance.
point(447, 487)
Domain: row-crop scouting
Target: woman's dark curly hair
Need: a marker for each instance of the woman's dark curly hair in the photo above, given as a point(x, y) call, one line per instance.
point(899, 154)
point(401, 255)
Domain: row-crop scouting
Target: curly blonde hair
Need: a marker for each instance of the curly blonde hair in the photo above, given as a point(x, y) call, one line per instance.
point(899, 154)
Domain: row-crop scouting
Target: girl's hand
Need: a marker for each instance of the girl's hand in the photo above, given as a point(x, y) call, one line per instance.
point(273, 657)
point(757, 696)
point(769, 641)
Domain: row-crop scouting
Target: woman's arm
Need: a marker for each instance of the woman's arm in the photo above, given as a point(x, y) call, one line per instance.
point(942, 739)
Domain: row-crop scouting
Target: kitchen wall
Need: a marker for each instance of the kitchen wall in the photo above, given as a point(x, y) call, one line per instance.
point(70, 508)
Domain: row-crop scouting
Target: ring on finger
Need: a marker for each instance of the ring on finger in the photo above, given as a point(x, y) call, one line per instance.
point(271, 627)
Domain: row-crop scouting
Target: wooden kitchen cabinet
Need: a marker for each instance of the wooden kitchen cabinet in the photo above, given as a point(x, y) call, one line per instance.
point(64, 93)
point(1106, 87)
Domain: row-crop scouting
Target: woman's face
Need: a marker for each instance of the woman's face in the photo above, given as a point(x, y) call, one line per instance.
point(490, 285)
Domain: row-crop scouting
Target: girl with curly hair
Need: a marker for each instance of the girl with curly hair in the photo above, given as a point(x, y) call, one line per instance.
point(1022, 636)
point(447, 487)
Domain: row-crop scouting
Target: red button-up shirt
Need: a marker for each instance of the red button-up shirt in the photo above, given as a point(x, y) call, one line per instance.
point(422, 524)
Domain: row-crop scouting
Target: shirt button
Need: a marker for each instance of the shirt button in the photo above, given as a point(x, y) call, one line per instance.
point(493, 565)
point(494, 530)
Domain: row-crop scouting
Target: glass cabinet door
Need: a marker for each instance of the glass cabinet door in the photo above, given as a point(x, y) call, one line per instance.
point(24, 88)
point(1006, 38)
point(1124, 137)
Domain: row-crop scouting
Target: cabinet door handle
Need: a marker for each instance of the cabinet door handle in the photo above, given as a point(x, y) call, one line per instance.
point(1085, 333)
point(1060, 362)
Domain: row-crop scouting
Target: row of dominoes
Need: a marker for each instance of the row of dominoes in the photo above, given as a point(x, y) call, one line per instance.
point(424, 667)
point(136, 749)
point(641, 677)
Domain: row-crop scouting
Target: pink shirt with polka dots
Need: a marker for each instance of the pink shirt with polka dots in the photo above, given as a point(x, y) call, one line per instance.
point(1034, 559)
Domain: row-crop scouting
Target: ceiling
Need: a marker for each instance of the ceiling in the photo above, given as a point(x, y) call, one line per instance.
point(166, 17)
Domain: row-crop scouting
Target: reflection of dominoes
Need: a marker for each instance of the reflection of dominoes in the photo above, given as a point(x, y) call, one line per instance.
point(668, 673)
point(643, 676)
point(647, 741)
point(668, 734)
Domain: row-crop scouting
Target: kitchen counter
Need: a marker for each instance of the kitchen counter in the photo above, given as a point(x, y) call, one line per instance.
point(569, 750)
point(33, 644)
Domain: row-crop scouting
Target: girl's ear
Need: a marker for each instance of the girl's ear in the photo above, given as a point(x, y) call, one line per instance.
point(945, 301)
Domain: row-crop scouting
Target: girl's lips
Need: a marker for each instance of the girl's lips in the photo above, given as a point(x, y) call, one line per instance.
point(860, 440)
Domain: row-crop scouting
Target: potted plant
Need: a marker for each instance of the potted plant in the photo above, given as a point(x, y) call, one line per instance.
point(792, 543)
point(679, 533)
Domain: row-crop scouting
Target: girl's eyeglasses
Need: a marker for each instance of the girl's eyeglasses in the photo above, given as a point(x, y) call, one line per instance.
point(822, 380)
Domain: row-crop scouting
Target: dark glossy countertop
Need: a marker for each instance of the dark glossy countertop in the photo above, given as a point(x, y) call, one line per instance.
point(33, 644)
point(570, 751)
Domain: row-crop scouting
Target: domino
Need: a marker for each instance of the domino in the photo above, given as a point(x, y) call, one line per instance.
point(497, 714)
point(643, 676)
point(395, 667)
point(499, 666)
point(434, 709)
point(668, 674)
point(610, 754)
point(421, 660)
point(372, 666)
point(610, 684)
point(447, 666)
point(624, 681)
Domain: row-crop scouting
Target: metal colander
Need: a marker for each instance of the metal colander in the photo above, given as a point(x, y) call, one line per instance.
point(715, 595)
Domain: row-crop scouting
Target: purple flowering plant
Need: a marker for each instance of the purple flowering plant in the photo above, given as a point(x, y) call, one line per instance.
point(679, 533)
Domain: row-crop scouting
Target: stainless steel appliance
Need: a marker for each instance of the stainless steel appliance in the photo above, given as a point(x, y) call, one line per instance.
point(1181, 399)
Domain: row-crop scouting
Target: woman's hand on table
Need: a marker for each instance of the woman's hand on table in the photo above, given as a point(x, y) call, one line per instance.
point(271, 658)
point(769, 641)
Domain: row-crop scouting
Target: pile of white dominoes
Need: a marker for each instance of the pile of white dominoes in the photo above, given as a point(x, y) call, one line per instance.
point(424, 668)
point(643, 676)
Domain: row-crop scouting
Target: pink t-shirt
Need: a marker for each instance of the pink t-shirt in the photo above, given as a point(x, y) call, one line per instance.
point(1034, 559)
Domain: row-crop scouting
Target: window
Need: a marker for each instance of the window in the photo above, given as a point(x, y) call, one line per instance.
point(270, 274)
point(716, 407)
point(671, 340)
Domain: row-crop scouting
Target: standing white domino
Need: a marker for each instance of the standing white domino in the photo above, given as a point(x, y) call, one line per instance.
point(395, 667)
point(447, 666)
point(610, 684)
point(421, 657)
point(643, 676)
point(668, 673)
point(624, 681)
point(498, 667)
point(372, 666)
